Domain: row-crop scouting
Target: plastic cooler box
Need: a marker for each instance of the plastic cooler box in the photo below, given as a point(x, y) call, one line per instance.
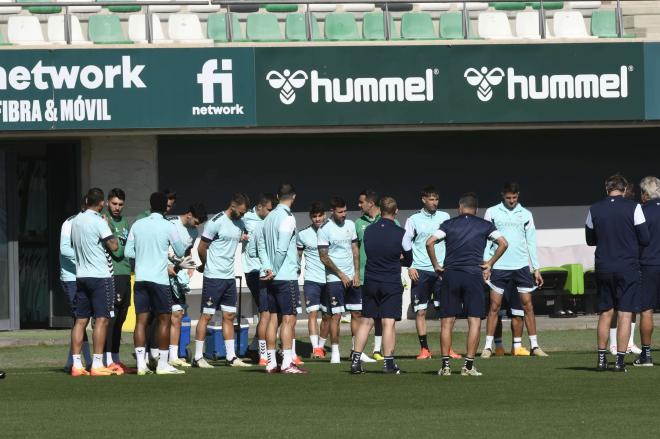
point(184, 338)
point(215, 342)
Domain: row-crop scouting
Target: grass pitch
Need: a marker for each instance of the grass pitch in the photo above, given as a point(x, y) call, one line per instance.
point(517, 397)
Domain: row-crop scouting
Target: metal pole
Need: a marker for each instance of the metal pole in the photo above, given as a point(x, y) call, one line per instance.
point(386, 22)
point(542, 21)
point(228, 21)
point(466, 21)
point(308, 23)
point(67, 25)
point(148, 26)
point(619, 19)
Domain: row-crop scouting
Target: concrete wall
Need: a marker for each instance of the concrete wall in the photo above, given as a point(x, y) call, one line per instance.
point(127, 162)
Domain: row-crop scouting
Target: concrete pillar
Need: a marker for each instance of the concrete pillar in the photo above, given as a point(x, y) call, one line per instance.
point(126, 162)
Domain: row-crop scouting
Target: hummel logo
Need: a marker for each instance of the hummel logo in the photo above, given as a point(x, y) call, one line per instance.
point(484, 79)
point(287, 83)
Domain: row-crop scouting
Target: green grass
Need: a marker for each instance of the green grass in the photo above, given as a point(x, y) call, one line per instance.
point(517, 397)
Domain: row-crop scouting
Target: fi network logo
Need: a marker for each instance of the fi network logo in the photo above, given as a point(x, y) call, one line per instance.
point(208, 78)
point(484, 79)
point(286, 83)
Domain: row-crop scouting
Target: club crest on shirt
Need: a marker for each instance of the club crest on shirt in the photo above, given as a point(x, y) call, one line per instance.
point(209, 302)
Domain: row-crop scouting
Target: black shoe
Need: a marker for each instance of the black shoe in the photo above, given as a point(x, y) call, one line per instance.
point(2, 375)
point(356, 368)
point(395, 370)
point(620, 368)
point(602, 366)
point(644, 362)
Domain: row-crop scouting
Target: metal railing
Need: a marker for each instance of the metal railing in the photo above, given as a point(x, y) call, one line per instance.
point(227, 4)
point(465, 22)
point(147, 16)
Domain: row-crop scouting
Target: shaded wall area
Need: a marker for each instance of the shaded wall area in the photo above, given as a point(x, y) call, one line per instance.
point(554, 167)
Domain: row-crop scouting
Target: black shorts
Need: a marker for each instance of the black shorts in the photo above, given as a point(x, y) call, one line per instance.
point(122, 291)
point(94, 297)
point(313, 293)
point(382, 300)
point(621, 291)
point(70, 289)
point(425, 290)
point(462, 293)
point(152, 297)
point(650, 288)
point(522, 280)
point(218, 293)
point(258, 289)
point(283, 297)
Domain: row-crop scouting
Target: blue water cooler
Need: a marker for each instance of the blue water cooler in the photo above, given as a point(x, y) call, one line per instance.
point(184, 337)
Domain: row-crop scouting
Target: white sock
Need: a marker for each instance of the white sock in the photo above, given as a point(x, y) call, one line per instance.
point(97, 361)
point(255, 343)
point(139, 356)
point(174, 351)
point(378, 342)
point(272, 359)
point(76, 361)
point(287, 358)
point(293, 348)
point(86, 353)
point(199, 349)
point(321, 342)
point(163, 357)
point(533, 342)
point(517, 342)
point(489, 342)
point(69, 359)
point(229, 348)
point(262, 350)
point(108, 358)
point(314, 339)
point(612, 336)
point(115, 357)
point(353, 343)
point(335, 353)
point(632, 334)
point(154, 353)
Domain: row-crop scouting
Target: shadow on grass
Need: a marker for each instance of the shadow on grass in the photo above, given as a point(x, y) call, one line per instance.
point(582, 369)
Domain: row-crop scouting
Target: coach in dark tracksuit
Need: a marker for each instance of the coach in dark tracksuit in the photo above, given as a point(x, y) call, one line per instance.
point(649, 260)
point(382, 290)
point(465, 273)
point(617, 227)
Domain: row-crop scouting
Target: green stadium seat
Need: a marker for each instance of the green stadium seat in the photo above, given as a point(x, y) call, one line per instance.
point(216, 28)
point(451, 27)
point(123, 9)
point(603, 24)
point(281, 8)
point(417, 26)
point(509, 6)
point(341, 26)
point(106, 29)
point(373, 27)
point(41, 9)
point(263, 27)
point(295, 28)
point(548, 6)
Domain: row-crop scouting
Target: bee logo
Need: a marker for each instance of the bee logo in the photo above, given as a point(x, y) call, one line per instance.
point(287, 83)
point(484, 80)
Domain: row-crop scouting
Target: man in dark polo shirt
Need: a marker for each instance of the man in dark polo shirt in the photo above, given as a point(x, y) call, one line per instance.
point(465, 272)
point(382, 290)
point(616, 226)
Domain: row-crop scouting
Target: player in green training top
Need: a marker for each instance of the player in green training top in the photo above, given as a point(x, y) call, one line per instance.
point(121, 275)
point(368, 203)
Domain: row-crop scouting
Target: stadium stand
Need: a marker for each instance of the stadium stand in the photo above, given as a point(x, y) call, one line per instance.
point(26, 22)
